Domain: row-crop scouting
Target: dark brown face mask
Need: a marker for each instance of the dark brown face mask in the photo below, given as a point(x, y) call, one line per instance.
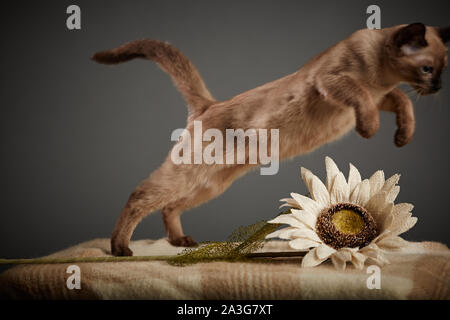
point(424, 77)
point(444, 33)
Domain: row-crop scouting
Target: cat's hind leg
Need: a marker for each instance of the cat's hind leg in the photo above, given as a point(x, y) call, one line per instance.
point(152, 194)
point(218, 181)
point(171, 214)
point(172, 223)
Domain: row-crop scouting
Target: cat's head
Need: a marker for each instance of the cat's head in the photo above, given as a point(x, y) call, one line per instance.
point(419, 56)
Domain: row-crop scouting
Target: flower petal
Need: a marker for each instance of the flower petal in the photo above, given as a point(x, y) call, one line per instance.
point(402, 208)
point(306, 217)
point(390, 186)
point(332, 172)
point(311, 259)
point(385, 225)
point(305, 234)
point(319, 192)
point(401, 218)
point(284, 233)
point(391, 182)
point(289, 219)
point(376, 206)
point(305, 202)
point(303, 244)
point(358, 260)
point(340, 190)
point(408, 224)
point(361, 194)
point(382, 217)
point(374, 254)
point(338, 263)
point(324, 251)
point(307, 176)
point(393, 193)
point(377, 202)
point(354, 178)
point(316, 188)
point(376, 182)
point(344, 254)
point(290, 203)
point(340, 258)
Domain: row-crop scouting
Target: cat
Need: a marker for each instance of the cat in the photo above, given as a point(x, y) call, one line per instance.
point(340, 89)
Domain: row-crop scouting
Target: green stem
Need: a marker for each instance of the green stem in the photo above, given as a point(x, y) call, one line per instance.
point(83, 259)
point(139, 258)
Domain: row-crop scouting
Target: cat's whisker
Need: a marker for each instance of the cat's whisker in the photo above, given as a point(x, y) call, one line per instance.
point(419, 94)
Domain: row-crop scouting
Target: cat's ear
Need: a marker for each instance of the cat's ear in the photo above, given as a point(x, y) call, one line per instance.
point(412, 35)
point(444, 33)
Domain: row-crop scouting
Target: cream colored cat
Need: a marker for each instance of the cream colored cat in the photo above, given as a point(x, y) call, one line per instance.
point(339, 89)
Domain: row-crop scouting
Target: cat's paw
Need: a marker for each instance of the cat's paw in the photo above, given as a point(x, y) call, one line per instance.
point(119, 250)
point(403, 136)
point(185, 241)
point(367, 128)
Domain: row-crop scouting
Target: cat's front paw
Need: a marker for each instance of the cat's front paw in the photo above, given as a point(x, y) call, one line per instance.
point(403, 136)
point(367, 128)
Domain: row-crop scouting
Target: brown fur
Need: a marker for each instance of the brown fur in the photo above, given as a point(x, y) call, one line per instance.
point(343, 87)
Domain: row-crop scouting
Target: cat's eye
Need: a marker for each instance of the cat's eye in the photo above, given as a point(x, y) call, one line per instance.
point(427, 69)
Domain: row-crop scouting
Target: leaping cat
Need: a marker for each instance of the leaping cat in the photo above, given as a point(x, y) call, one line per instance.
point(341, 88)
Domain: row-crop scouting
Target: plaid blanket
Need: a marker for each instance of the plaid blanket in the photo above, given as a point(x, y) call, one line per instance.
point(420, 271)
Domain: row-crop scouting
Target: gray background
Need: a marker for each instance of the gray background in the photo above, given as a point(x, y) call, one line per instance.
point(76, 137)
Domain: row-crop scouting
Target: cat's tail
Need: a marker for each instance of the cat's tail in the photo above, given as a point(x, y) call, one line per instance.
point(183, 73)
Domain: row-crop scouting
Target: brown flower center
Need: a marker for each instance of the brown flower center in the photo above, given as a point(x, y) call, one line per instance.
point(346, 225)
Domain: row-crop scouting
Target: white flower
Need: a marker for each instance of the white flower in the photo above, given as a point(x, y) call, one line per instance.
point(345, 220)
